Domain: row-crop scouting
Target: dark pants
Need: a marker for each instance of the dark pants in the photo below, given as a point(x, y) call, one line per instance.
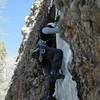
point(51, 63)
point(54, 58)
point(51, 69)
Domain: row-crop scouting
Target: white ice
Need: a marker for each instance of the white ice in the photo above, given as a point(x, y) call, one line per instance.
point(65, 89)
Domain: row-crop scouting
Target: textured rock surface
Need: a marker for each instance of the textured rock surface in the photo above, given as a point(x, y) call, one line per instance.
point(27, 82)
point(82, 30)
point(80, 27)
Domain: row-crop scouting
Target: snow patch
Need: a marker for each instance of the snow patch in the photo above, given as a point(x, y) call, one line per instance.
point(26, 30)
point(38, 2)
point(27, 19)
point(6, 75)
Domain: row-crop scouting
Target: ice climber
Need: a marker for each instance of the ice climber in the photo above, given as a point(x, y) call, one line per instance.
point(48, 56)
point(45, 54)
point(51, 60)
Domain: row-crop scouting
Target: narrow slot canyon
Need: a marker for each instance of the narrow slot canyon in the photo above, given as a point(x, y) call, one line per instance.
point(78, 39)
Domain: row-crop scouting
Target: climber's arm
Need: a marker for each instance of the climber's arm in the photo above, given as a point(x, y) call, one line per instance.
point(48, 30)
point(34, 52)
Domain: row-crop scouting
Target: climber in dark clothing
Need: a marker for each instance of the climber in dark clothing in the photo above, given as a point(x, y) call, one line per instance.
point(49, 89)
point(49, 57)
point(51, 60)
point(44, 54)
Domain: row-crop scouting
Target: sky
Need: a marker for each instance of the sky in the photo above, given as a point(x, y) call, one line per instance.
point(12, 15)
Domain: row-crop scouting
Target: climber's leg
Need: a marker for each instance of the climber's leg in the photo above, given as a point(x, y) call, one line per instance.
point(49, 88)
point(55, 57)
point(46, 68)
point(57, 61)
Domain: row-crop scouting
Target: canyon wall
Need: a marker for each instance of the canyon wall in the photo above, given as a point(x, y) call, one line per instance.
point(79, 27)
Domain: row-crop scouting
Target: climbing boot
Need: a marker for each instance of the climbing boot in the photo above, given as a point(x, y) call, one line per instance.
point(57, 75)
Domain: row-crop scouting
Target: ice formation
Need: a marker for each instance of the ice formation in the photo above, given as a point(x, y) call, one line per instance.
point(65, 89)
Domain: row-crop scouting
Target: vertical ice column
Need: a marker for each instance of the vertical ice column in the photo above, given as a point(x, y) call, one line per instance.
point(65, 89)
point(51, 3)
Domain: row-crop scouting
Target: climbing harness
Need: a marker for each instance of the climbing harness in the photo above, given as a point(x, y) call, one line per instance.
point(42, 51)
point(41, 45)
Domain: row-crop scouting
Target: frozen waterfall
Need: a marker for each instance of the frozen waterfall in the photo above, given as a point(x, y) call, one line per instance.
point(65, 89)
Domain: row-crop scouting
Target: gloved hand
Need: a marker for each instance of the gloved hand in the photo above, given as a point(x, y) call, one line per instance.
point(34, 52)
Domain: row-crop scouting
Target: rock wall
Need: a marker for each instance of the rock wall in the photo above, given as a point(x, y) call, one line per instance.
point(27, 82)
point(79, 26)
point(81, 29)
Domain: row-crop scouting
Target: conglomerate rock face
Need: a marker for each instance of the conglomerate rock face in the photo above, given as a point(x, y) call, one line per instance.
point(81, 29)
point(27, 82)
point(79, 25)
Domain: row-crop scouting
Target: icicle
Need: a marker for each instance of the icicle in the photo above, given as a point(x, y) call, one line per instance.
point(56, 14)
point(51, 3)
